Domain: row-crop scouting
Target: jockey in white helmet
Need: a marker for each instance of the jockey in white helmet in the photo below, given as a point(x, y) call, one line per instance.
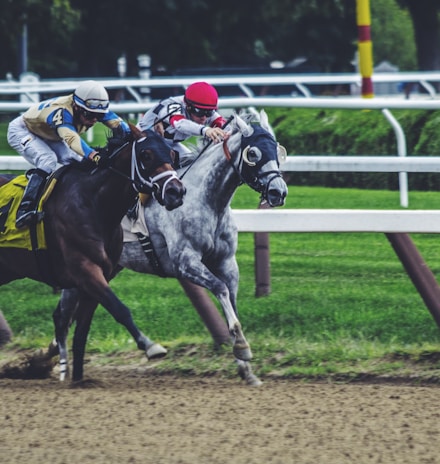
point(49, 133)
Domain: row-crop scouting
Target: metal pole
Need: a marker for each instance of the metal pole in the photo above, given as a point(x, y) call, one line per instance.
point(262, 259)
point(419, 272)
point(365, 46)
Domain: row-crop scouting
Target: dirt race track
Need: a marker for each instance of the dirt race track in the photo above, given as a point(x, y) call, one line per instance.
point(131, 416)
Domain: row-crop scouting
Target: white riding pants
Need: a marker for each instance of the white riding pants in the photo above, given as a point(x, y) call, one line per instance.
point(41, 153)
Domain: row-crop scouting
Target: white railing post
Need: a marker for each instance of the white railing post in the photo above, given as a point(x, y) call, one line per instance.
point(401, 151)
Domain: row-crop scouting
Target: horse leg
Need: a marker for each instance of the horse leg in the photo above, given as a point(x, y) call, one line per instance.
point(86, 309)
point(208, 312)
point(96, 291)
point(62, 318)
point(203, 277)
point(241, 347)
point(123, 316)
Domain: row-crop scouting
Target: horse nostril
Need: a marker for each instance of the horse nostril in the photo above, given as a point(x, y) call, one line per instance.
point(276, 197)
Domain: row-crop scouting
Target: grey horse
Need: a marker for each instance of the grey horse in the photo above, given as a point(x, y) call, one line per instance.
point(197, 242)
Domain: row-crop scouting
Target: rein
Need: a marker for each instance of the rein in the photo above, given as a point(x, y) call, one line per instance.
point(206, 147)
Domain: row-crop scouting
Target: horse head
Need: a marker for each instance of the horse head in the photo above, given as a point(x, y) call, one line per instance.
point(259, 162)
point(152, 171)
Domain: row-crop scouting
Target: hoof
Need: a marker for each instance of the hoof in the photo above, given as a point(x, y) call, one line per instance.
point(156, 351)
point(242, 352)
point(253, 381)
point(245, 372)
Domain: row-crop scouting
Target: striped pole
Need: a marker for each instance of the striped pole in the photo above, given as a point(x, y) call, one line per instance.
point(365, 46)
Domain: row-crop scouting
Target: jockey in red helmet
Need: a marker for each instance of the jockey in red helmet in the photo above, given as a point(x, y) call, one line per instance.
point(192, 114)
point(200, 97)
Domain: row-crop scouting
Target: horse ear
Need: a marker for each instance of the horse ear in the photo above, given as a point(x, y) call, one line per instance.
point(137, 133)
point(264, 122)
point(245, 129)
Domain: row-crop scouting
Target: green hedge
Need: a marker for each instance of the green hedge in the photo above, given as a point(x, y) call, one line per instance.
point(346, 132)
point(357, 132)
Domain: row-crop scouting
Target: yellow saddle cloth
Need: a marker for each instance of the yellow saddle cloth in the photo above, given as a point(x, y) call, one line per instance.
point(10, 197)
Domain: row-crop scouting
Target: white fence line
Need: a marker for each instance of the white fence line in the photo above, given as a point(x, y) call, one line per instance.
point(319, 163)
point(322, 163)
point(337, 220)
point(243, 82)
point(355, 103)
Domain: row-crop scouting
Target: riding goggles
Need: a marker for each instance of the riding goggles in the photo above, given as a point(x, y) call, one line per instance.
point(92, 103)
point(199, 112)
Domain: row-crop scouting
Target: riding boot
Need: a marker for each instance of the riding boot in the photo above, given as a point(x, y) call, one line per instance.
point(27, 211)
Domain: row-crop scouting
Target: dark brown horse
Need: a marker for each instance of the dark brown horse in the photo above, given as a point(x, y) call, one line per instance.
point(82, 218)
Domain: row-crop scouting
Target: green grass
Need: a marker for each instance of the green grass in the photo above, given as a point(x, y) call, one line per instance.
point(340, 304)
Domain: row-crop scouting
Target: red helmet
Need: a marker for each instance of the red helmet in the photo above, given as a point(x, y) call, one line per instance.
point(201, 95)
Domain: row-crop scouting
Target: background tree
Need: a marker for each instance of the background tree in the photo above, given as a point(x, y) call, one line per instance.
point(50, 25)
point(425, 16)
point(79, 38)
point(393, 35)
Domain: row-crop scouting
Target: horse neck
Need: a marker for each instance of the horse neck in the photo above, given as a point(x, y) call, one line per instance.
point(215, 174)
point(116, 190)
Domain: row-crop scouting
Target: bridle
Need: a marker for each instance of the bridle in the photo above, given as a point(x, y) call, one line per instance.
point(242, 161)
point(139, 182)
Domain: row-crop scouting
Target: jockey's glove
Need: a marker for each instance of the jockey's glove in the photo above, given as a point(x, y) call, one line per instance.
point(101, 161)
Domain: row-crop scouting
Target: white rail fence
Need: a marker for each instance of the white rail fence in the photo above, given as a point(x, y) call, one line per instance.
point(337, 220)
point(249, 85)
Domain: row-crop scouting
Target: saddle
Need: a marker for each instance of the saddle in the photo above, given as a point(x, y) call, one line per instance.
point(29, 238)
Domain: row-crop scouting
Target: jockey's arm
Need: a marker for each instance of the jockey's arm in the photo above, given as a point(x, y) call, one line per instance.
point(190, 128)
point(116, 123)
point(74, 141)
point(186, 127)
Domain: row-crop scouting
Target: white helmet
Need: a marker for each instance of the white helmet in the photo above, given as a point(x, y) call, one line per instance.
point(92, 96)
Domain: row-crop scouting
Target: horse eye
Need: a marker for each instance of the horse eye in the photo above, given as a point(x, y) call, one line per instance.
point(252, 155)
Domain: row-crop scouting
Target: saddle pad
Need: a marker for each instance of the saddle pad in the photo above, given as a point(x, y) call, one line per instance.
point(135, 224)
point(11, 237)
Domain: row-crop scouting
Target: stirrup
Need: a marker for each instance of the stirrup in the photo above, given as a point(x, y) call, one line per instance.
point(29, 218)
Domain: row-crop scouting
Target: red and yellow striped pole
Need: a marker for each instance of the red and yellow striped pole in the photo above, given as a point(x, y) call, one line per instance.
point(365, 46)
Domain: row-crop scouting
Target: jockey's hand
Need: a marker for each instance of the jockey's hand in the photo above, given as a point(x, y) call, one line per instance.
point(101, 161)
point(215, 134)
